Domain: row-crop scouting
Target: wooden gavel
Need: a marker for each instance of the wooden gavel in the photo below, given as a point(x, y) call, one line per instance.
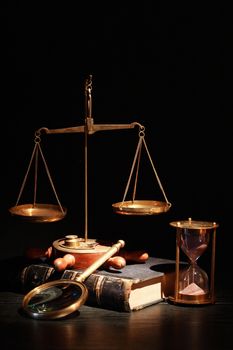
point(68, 260)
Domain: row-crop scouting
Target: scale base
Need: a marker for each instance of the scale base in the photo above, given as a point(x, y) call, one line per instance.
point(85, 252)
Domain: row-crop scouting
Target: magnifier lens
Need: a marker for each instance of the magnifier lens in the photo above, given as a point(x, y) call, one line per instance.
point(55, 299)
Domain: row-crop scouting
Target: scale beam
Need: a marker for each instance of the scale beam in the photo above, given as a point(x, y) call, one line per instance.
point(89, 126)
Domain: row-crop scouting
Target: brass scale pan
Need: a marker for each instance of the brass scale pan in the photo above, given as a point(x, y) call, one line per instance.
point(141, 207)
point(51, 213)
point(38, 212)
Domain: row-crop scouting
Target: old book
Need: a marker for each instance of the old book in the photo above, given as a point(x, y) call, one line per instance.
point(134, 287)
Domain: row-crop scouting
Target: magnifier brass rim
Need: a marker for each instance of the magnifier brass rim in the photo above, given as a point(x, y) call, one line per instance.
point(56, 313)
point(38, 212)
point(141, 207)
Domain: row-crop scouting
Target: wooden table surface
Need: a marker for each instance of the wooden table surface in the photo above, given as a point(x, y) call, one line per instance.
point(161, 326)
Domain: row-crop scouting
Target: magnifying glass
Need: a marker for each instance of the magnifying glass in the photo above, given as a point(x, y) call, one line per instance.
point(57, 299)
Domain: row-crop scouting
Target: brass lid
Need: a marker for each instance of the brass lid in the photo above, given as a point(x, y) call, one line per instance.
point(194, 224)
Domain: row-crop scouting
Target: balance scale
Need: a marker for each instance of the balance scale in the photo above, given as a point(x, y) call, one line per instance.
point(86, 250)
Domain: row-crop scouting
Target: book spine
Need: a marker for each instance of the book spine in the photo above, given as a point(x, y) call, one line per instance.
point(108, 293)
point(103, 291)
point(34, 275)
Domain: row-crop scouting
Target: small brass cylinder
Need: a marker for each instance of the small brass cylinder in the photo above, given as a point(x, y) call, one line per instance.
point(72, 241)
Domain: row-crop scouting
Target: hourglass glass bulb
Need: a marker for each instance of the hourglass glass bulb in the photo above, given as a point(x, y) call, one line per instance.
point(193, 243)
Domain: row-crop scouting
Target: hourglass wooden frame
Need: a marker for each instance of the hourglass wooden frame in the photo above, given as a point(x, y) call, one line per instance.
point(198, 227)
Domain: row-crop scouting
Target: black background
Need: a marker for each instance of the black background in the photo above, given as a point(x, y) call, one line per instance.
point(166, 66)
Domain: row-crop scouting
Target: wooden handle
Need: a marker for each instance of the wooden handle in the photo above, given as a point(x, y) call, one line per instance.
point(61, 264)
point(38, 253)
point(117, 262)
point(137, 256)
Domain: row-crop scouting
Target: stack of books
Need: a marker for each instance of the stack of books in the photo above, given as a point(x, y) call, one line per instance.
point(132, 288)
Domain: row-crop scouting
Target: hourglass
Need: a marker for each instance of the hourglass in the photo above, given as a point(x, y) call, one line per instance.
point(192, 284)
